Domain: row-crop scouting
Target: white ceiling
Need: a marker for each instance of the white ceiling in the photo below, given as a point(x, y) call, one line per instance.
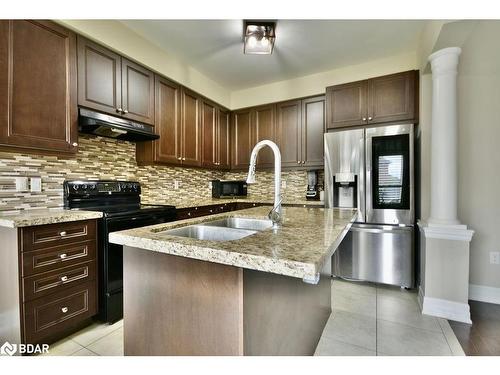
point(215, 47)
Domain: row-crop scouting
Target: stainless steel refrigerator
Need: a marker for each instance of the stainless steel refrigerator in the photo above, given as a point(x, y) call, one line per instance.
point(372, 169)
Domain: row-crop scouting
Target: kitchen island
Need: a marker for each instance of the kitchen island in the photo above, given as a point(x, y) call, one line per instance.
point(266, 293)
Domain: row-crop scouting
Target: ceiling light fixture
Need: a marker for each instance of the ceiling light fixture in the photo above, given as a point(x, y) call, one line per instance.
point(259, 37)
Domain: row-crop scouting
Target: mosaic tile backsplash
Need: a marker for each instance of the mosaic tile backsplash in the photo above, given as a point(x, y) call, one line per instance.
point(105, 158)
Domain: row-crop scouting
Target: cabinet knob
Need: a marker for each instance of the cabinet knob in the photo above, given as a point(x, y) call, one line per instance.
point(364, 118)
point(64, 309)
point(125, 111)
point(298, 162)
point(119, 110)
point(303, 162)
point(64, 278)
point(189, 213)
point(179, 158)
point(62, 256)
point(74, 144)
point(183, 158)
point(370, 118)
point(63, 233)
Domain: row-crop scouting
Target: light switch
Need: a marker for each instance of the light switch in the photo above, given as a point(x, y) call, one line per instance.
point(21, 183)
point(36, 184)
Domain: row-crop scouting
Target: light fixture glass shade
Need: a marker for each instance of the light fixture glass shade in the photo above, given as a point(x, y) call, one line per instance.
point(259, 37)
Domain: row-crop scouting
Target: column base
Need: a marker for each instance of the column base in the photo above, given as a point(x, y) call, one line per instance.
point(450, 310)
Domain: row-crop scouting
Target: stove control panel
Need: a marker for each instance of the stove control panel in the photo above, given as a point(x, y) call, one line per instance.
point(97, 188)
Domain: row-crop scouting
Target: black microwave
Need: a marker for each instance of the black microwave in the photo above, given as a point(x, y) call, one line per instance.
point(224, 189)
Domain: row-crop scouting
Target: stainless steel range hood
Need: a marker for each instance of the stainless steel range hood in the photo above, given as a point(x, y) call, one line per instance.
point(96, 123)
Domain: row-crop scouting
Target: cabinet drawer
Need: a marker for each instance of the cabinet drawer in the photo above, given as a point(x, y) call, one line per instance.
point(57, 257)
point(52, 315)
point(43, 236)
point(50, 282)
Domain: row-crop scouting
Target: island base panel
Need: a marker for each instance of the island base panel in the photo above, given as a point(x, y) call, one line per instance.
point(180, 306)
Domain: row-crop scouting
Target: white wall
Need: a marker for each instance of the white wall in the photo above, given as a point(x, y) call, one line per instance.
point(116, 36)
point(316, 83)
point(479, 147)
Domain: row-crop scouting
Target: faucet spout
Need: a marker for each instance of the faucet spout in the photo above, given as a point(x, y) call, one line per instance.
point(275, 214)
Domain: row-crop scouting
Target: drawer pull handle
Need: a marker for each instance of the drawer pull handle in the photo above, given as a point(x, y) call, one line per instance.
point(64, 278)
point(63, 256)
point(63, 233)
point(64, 309)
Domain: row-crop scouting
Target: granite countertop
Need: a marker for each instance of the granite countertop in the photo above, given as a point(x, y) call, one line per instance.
point(299, 248)
point(186, 202)
point(45, 216)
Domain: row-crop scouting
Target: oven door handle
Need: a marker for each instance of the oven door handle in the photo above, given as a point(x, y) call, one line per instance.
point(380, 228)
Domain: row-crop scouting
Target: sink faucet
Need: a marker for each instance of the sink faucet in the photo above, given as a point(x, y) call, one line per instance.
point(275, 213)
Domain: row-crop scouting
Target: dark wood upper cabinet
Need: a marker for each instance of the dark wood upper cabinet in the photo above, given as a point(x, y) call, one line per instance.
point(313, 129)
point(38, 108)
point(191, 128)
point(224, 140)
point(289, 115)
point(137, 92)
point(166, 149)
point(110, 83)
point(392, 98)
point(347, 104)
point(264, 127)
point(99, 78)
point(209, 117)
point(241, 136)
point(386, 99)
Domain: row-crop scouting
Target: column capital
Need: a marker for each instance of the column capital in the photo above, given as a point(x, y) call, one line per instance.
point(445, 61)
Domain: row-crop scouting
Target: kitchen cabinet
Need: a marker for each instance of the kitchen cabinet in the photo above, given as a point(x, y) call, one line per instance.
point(249, 127)
point(387, 99)
point(241, 138)
point(191, 128)
point(301, 125)
point(166, 149)
point(110, 83)
point(224, 140)
point(209, 125)
point(38, 87)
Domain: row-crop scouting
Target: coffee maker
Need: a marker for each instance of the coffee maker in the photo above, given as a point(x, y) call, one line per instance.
point(312, 185)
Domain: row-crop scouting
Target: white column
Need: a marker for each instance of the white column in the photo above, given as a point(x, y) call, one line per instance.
point(444, 138)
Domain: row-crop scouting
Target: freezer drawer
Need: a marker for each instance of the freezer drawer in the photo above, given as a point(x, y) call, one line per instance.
point(377, 253)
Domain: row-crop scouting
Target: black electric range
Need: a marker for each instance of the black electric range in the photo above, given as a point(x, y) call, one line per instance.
point(120, 203)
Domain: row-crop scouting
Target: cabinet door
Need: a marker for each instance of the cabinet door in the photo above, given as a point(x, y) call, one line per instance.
point(241, 135)
point(264, 124)
point(38, 86)
point(99, 78)
point(290, 132)
point(168, 122)
point(313, 129)
point(137, 92)
point(209, 134)
point(347, 104)
point(191, 129)
point(392, 98)
point(223, 138)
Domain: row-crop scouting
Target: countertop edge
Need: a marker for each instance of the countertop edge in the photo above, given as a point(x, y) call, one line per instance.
point(16, 221)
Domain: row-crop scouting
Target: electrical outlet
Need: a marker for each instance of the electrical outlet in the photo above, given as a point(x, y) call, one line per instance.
point(176, 185)
point(283, 184)
point(494, 257)
point(36, 184)
point(210, 184)
point(21, 183)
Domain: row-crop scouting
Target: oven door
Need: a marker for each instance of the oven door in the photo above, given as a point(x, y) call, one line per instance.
point(389, 175)
point(111, 264)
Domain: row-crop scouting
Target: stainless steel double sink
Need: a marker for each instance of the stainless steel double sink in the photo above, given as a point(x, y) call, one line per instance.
point(227, 229)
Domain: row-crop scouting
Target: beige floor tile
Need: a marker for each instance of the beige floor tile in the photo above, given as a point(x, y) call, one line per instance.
point(364, 304)
point(397, 292)
point(84, 353)
point(110, 345)
point(405, 311)
point(94, 332)
point(64, 347)
point(399, 339)
point(353, 287)
point(331, 347)
point(351, 328)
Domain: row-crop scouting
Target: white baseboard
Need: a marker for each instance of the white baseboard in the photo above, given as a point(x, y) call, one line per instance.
point(420, 297)
point(446, 309)
point(484, 293)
